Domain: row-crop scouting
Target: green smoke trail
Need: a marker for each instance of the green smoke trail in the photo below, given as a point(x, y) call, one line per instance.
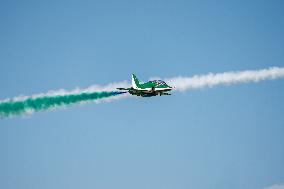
point(34, 104)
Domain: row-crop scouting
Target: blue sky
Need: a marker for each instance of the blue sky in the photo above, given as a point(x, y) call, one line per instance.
point(224, 137)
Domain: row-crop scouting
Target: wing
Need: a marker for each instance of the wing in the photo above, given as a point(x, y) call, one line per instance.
point(148, 91)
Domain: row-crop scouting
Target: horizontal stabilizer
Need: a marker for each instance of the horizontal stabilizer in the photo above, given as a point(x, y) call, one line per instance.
point(122, 88)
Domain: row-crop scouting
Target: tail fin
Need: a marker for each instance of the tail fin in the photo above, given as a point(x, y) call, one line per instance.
point(135, 82)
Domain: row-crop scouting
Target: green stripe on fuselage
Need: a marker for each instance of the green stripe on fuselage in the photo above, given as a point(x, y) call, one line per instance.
point(149, 84)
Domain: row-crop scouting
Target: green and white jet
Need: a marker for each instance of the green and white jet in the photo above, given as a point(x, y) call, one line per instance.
point(148, 89)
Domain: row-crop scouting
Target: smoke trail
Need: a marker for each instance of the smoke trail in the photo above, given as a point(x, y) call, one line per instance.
point(34, 104)
point(226, 78)
point(46, 101)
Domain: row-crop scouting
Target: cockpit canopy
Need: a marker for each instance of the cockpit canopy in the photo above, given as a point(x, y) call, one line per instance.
point(159, 82)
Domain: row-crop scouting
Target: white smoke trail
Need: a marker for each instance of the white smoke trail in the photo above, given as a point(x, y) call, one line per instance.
point(226, 78)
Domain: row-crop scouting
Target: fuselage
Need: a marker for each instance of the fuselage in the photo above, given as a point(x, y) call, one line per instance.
point(148, 89)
